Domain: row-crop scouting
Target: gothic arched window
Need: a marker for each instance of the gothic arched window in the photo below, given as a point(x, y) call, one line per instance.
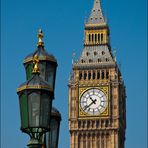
point(101, 37)
point(103, 53)
point(107, 75)
point(89, 75)
point(90, 60)
point(102, 142)
point(92, 37)
point(80, 76)
point(89, 38)
point(98, 75)
point(95, 53)
point(107, 59)
point(103, 76)
point(94, 75)
point(99, 60)
point(82, 61)
point(93, 141)
point(95, 37)
point(88, 143)
point(85, 76)
point(87, 53)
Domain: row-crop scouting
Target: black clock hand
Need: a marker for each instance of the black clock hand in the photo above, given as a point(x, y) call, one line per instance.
point(88, 105)
point(93, 102)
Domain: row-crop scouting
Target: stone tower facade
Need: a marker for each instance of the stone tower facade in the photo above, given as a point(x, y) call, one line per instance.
point(97, 98)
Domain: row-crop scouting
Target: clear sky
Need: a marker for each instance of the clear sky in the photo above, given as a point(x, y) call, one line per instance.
point(62, 22)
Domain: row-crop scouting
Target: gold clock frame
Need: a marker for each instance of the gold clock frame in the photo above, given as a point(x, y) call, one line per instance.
point(105, 90)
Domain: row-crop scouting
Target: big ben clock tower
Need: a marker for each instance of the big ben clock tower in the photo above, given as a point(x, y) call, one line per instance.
point(97, 99)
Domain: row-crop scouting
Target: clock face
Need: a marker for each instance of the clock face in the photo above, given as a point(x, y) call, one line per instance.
point(93, 101)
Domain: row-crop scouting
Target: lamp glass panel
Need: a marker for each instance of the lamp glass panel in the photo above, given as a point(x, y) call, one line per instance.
point(29, 70)
point(42, 70)
point(23, 111)
point(47, 140)
point(54, 128)
point(34, 109)
point(45, 107)
point(51, 74)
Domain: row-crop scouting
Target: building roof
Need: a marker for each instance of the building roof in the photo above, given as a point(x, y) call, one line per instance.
point(96, 54)
point(40, 51)
point(42, 54)
point(96, 16)
point(55, 113)
point(35, 82)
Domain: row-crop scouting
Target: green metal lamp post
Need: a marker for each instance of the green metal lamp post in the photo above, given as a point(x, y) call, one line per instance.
point(35, 99)
point(53, 135)
point(38, 118)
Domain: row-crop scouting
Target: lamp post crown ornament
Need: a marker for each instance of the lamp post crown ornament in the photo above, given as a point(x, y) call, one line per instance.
point(40, 36)
point(36, 65)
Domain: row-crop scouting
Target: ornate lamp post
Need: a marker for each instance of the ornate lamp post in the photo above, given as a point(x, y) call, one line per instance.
point(54, 128)
point(35, 98)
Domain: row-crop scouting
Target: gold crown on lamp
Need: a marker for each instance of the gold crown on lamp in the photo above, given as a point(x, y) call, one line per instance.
point(40, 36)
point(36, 64)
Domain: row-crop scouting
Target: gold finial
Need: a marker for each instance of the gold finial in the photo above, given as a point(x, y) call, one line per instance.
point(36, 64)
point(40, 36)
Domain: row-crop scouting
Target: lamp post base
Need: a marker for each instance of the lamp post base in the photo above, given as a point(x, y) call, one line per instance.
point(34, 143)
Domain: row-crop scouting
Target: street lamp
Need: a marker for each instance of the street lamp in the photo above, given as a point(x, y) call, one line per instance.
point(35, 99)
point(54, 128)
point(47, 65)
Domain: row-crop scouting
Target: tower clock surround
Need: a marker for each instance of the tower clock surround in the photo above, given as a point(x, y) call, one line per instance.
point(93, 102)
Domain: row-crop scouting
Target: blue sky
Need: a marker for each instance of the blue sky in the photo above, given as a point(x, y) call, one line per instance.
point(63, 26)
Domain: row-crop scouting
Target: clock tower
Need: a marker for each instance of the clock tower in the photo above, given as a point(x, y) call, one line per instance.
point(97, 99)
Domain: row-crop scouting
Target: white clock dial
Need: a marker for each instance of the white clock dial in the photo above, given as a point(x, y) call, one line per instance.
point(93, 101)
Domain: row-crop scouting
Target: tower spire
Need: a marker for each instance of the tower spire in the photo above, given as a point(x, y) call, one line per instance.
point(96, 16)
